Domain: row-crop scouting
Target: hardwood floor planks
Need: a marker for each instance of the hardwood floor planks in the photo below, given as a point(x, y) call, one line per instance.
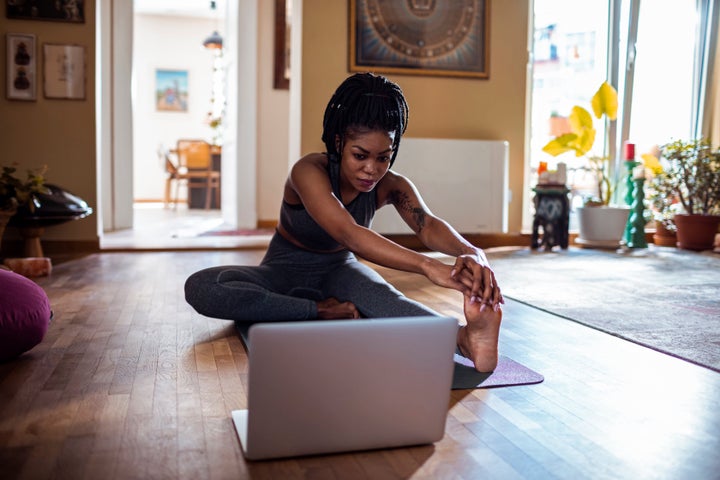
point(129, 382)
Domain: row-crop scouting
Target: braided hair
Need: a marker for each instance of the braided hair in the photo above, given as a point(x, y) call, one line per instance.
point(364, 101)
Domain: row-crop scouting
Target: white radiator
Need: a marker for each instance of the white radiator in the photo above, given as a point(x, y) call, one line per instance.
point(464, 182)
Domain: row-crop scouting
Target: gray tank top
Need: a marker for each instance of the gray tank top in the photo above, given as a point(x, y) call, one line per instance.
point(297, 221)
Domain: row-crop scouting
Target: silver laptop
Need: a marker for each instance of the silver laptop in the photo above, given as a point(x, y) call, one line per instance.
point(337, 386)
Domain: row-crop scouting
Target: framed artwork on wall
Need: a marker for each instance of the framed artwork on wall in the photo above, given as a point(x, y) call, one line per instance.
point(171, 90)
point(72, 11)
point(21, 68)
point(64, 71)
point(281, 76)
point(420, 37)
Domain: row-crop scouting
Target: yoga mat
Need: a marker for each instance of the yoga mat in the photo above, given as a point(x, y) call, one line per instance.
point(507, 373)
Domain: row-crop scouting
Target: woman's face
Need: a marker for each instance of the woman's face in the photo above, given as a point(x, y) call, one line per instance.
point(366, 158)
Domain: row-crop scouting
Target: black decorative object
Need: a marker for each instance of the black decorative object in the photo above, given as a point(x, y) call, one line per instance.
point(552, 216)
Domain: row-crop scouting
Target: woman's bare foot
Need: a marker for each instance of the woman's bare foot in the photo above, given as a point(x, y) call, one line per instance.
point(332, 308)
point(478, 340)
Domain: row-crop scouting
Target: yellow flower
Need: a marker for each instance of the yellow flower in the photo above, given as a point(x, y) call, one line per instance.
point(605, 101)
point(651, 161)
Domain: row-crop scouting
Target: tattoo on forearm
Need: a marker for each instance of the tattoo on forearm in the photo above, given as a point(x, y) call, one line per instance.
point(402, 202)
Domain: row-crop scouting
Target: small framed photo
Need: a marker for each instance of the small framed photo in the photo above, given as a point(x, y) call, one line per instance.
point(64, 71)
point(21, 81)
point(72, 11)
point(171, 90)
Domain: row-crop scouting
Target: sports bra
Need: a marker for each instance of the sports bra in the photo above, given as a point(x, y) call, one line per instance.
point(296, 220)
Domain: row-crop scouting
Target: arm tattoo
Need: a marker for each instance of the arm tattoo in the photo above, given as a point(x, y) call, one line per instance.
point(401, 200)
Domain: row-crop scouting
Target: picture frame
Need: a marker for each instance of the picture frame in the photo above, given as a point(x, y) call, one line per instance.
point(440, 38)
point(21, 68)
point(72, 11)
point(171, 90)
point(63, 71)
point(281, 74)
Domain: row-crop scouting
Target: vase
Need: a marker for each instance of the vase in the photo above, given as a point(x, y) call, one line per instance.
point(663, 237)
point(601, 227)
point(696, 232)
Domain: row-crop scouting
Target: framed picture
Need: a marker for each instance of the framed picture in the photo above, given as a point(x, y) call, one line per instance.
point(54, 10)
point(439, 37)
point(64, 71)
point(21, 81)
point(281, 77)
point(171, 90)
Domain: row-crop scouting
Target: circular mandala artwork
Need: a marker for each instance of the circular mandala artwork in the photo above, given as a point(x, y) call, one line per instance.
point(444, 35)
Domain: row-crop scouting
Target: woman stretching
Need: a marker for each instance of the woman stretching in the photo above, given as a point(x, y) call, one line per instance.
point(310, 270)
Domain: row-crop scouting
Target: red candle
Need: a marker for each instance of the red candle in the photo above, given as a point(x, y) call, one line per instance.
point(629, 152)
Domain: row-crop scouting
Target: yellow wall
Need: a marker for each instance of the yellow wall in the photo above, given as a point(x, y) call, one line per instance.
point(440, 107)
point(56, 133)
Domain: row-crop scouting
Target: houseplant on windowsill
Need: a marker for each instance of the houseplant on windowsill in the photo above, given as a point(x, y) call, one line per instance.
point(686, 193)
point(15, 193)
point(600, 224)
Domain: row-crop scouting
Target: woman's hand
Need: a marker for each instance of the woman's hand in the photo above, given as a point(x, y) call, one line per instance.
point(484, 288)
point(441, 274)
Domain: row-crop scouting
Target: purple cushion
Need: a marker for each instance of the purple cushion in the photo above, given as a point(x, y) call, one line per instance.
point(24, 314)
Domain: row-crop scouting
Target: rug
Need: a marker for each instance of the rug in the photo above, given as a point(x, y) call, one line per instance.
point(663, 298)
point(238, 232)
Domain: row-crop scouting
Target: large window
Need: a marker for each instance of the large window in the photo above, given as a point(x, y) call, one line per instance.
point(658, 80)
point(662, 96)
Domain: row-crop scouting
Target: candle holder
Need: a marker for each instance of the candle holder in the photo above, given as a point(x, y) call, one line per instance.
point(629, 194)
point(636, 221)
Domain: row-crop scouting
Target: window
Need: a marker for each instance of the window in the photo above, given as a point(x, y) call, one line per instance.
point(660, 81)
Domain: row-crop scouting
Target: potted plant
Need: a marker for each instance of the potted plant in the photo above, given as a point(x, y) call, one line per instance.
point(686, 192)
point(661, 202)
point(599, 227)
point(15, 193)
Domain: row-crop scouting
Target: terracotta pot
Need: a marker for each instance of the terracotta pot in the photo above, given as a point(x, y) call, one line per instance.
point(696, 232)
point(664, 237)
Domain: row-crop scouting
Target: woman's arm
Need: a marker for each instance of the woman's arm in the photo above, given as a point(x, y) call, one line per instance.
point(436, 234)
point(309, 184)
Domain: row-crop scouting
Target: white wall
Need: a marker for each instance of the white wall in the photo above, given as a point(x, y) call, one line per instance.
point(170, 43)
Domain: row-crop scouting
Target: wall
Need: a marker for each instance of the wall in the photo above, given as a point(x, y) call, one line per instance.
point(168, 43)
point(440, 107)
point(56, 133)
point(273, 111)
point(61, 133)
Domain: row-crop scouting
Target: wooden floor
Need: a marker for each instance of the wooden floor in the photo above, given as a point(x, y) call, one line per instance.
point(130, 383)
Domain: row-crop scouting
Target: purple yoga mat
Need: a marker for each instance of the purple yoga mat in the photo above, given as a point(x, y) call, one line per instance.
point(508, 372)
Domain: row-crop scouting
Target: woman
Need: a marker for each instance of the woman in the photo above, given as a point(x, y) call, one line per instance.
point(310, 270)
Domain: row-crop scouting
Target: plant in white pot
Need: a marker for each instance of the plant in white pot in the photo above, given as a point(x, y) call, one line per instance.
point(600, 224)
point(686, 193)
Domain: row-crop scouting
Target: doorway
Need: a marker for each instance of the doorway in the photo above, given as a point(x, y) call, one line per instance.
point(132, 127)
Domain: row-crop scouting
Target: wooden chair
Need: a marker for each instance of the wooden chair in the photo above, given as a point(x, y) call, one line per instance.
point(194, 166)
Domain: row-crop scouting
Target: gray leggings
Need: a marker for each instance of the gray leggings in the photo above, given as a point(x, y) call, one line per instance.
point(288, 283)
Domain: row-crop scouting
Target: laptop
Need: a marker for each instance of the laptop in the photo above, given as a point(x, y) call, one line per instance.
point(319, 387)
